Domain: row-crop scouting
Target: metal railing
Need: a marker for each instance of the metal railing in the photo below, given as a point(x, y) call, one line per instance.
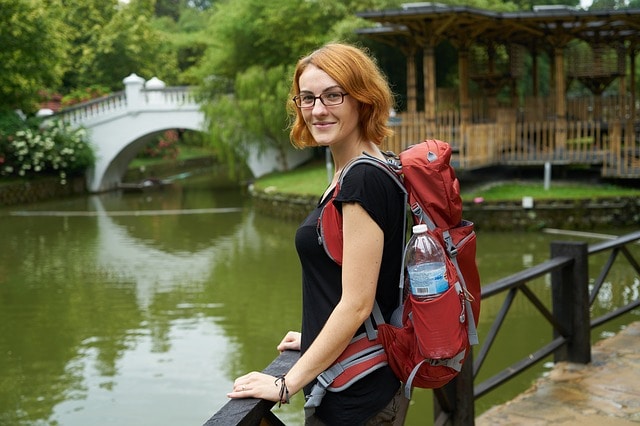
point(570, 318)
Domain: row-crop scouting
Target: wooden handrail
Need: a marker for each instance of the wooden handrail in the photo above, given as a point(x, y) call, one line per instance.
point(253, 411)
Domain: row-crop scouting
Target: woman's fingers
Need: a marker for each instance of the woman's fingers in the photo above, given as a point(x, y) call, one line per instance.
point(255, 385)
point(291, 341)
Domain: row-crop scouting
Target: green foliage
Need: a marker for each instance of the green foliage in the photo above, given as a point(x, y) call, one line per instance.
point(85, 21)
point(245, 33)
point(253, 117)
point(128, 43)
point(32, 52)
point(188, 40)
point(608, 4)
point(10, 123)
point(56, 149)
point(175, 9)
point(85, 94)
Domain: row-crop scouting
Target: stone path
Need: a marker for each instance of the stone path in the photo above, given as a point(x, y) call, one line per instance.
point(604, 392)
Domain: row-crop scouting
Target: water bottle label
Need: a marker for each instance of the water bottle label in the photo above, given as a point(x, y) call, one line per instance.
point(428, 279)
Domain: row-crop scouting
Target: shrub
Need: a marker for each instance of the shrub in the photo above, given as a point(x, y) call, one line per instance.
point(85, 94)
point(165, 146)
point(55, 149)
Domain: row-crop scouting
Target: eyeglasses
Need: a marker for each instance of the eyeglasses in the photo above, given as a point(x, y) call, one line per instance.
point(327, 99)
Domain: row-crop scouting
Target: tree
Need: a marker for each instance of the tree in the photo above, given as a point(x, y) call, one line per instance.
point(252, 43)
point(253, 117)
point(86, 21)
point(175, 8)
point(127, 43)
point(608, 4)
point(187, 38)
point(32, 55)
point(245, 33)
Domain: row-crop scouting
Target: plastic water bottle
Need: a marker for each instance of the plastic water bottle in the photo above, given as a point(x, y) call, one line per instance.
point(425, 263)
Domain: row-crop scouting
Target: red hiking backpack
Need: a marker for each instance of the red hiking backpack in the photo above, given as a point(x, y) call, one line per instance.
point(427, 341)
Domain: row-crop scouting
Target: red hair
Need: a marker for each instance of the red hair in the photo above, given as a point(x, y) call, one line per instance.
point(358, 74)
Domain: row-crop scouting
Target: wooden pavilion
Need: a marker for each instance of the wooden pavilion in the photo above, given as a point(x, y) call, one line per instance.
point(486, 119)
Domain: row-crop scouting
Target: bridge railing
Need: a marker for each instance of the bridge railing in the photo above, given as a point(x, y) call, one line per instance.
point(84, 111)
point(170, 96)
point(124, 101)
point(570, 318)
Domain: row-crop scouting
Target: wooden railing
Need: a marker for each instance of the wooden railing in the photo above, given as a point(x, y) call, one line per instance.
point(614, 146)
point(569, 318)
point(253, 411)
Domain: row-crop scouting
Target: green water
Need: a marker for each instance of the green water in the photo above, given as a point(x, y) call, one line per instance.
point(141, 308)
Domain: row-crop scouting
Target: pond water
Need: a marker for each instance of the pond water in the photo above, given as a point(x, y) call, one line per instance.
point(141, 308)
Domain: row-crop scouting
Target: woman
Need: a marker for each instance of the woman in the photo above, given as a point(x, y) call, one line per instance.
point(341, 100)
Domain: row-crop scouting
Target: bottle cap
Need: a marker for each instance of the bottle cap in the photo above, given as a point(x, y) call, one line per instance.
point(420, 228)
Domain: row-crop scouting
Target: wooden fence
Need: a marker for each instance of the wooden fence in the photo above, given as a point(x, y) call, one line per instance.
point(569, 317)
point(613, 146)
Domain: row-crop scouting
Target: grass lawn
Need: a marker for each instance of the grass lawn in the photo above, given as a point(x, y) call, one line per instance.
point(311, 179)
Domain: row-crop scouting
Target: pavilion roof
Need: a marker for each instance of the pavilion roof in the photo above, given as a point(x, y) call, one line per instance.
point(422, 24)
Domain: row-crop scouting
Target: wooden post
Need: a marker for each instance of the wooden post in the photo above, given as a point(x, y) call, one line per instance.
point(454, 403)
point(534, 72)
point(463, 90)
point(561, 104)
point(570, 294)
point(412, 96)
point(622, 80)
point(632, 83)
point(429, 68)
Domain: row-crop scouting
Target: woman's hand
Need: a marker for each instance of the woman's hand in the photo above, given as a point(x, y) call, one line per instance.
point(257, 385)
point(291, 341)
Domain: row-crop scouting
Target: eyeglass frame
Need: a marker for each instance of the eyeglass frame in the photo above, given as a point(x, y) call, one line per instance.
point(297, 99)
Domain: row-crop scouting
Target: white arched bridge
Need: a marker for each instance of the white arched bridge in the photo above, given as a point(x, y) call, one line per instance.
point(121, 124)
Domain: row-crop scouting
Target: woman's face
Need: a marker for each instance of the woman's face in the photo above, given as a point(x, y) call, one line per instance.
point(329, 125)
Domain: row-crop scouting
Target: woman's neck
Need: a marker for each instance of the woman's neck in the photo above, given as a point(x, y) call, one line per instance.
point(345, 153)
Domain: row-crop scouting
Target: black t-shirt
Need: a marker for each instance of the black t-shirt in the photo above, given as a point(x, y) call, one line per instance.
point(381, 197)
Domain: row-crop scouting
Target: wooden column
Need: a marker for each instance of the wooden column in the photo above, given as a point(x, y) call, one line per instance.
point(534, 72)
point(561, 104)
point(429, 69)
point(632, 82)
point(463, 89)
point(622, 80)
point(412, 96)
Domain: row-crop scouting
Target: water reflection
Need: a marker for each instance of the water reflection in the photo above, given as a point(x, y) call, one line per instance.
point(138, 251)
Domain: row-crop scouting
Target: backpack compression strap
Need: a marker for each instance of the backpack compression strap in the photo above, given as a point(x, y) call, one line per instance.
point(472, 331)
point(454, 363)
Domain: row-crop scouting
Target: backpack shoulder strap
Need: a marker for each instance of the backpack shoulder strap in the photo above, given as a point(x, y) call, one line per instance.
point(393, 168)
